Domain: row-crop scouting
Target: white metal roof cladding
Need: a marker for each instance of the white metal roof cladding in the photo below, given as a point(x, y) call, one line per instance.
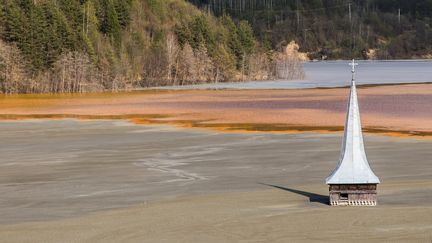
point(353, 167)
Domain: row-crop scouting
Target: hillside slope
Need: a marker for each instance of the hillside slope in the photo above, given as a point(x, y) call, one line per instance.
point(382, 29)
point(94, 45)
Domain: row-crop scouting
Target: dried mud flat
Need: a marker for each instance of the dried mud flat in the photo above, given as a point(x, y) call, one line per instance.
point(112, 181)
point(263, 216)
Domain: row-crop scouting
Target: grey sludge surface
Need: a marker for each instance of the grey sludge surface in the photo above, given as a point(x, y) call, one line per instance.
point(57, 169)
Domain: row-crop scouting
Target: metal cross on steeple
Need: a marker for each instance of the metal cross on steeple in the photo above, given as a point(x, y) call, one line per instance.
point(353, 64)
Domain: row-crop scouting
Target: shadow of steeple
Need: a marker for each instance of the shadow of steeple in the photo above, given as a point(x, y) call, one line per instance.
point(313, 197)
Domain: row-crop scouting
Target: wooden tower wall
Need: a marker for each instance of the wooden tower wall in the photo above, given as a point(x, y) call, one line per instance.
point(353, 195)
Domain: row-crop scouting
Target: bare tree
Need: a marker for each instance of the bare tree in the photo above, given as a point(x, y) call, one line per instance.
point(288, 63)
point(204, 66)
point(260, 67)
point(74, 73)
point(187, 67)
point(12, 76)
point(173, 50)
point(155, 68)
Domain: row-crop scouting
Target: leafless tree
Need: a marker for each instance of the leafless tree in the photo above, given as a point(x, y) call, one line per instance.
point(74, 73)
point(173, 50)
point(204, 66)
point(12, 75)
point(288, 63)
point(187, 67)
point(155, 68)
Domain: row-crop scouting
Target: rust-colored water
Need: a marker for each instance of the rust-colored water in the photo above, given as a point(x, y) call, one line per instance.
point(402, 110)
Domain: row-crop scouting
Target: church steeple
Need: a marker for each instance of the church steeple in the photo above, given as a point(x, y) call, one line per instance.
point(353, 167)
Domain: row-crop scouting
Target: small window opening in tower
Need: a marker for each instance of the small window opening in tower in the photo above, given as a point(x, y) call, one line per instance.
point(344, 196)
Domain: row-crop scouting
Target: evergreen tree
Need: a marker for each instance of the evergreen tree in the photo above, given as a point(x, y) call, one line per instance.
point(71, 9)
point(60, 36)
point(2, 18)
point(90, 33)
point(26, 5)
point(110, 24)
point(38, 38)
point(15, 23)
point(183, 34)
point(246, 37)
point(123, 11)
point(234, 43)
point(201, 33)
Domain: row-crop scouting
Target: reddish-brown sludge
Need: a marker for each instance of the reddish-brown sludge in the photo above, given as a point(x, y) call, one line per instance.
point(395, 109)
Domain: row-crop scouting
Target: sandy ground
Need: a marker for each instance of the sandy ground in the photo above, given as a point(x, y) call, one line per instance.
point(112, 181)
point(404, 109)
point(263, 216)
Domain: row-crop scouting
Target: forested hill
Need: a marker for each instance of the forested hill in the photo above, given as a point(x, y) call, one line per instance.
point(393, 28)
point(95, 45)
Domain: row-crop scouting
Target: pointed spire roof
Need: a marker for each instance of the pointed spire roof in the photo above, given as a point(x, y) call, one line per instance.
point(353, 167)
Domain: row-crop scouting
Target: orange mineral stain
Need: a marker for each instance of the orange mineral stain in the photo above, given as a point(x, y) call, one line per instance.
point(396, 110)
